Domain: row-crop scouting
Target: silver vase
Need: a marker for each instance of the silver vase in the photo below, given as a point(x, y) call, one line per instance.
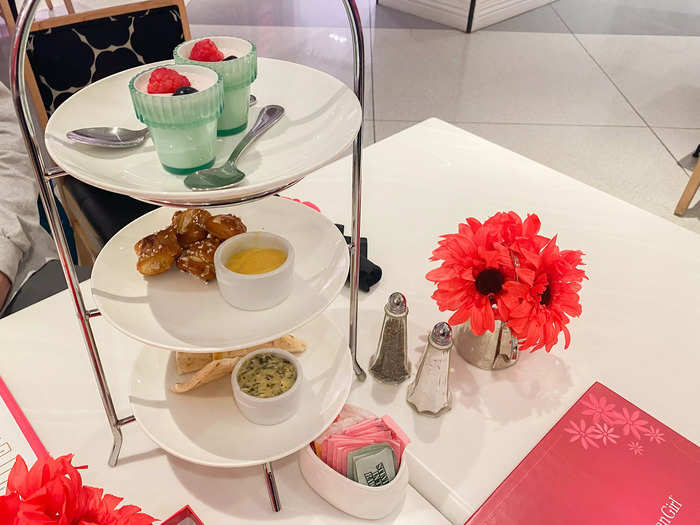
point(491, 351)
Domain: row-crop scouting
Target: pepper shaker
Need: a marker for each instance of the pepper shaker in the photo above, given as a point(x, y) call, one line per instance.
point(430, 391)
point(390, 363)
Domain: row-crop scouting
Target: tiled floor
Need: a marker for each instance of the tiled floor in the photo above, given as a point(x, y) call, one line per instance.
point(606, 91)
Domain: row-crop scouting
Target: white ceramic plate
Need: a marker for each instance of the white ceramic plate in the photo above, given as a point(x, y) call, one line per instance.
point(322, 116)
point(205, 426)
point(177, 311)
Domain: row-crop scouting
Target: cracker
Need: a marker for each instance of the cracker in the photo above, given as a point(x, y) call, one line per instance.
point(212, 371)
point(186, 362)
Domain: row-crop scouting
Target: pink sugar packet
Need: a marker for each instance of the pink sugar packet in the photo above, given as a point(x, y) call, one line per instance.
point(341, 455)
point(331, 445)
point(337, 447)
point(335, 428)
point(349, 415)
point(356, 428)
point(400, 434)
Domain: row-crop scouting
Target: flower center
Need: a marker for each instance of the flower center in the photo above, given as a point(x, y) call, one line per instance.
point(546, 296)
point(489, 281)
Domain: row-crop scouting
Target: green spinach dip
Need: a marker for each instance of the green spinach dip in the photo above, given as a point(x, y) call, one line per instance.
point(266, 375)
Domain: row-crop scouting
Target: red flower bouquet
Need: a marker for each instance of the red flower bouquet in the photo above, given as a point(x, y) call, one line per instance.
point(504, 270)
point(52, 493)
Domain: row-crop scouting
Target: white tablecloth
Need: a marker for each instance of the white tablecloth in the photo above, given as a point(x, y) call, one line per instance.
point(640, 304)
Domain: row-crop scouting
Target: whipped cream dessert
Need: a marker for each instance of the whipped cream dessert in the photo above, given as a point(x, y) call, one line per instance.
point(235, 59)
point(199, 78)
point(181, 105)
point(230, 47)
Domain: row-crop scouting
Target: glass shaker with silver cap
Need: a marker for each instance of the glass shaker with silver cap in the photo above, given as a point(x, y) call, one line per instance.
point(390, 363)
point(430, 391)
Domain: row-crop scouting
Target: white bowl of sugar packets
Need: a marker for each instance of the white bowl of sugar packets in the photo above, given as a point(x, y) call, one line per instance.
point(358, 500)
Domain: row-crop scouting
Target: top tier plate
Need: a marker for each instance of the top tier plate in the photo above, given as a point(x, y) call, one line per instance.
point(322, 118)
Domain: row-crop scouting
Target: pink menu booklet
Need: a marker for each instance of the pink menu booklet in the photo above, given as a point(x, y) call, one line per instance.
point(604, 462)
point(17, 437)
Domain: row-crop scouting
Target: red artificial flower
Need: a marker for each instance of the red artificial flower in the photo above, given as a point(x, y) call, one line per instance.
point(538, 317)
point(470, 281)
point(505, 270)
point(52, 493)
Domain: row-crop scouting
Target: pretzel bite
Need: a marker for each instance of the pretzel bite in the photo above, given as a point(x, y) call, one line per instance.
point(157, 252)
point(189, 225)
point(225, 226)
point(198, 258)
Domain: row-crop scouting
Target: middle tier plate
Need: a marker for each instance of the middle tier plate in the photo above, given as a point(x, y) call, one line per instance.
point(177, 311)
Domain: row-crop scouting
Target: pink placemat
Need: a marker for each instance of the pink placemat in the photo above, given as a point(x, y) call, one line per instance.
point(17, 437)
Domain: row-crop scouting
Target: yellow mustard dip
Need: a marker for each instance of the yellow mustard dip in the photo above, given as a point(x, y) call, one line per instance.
point(256, 260)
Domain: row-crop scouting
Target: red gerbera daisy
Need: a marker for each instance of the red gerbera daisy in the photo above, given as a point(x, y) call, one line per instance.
point(538, 317)
point(505, 270)
point(52, 492)
point(471, 279)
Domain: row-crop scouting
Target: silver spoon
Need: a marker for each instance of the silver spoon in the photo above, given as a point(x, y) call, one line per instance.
point(115, 137)
point(228, 174)
point(109, 137)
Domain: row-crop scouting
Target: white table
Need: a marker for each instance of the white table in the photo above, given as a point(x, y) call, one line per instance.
point(635, 336)
point(640, 306)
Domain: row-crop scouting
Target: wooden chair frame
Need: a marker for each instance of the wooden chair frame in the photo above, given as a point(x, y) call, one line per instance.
point(6, 11)
point(689, 192)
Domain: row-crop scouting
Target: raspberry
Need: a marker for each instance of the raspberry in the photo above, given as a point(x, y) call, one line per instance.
point(206, 51)
point(164, 80)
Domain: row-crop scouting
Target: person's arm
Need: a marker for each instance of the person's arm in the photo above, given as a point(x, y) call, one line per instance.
point(18, 196)
point(5, 286)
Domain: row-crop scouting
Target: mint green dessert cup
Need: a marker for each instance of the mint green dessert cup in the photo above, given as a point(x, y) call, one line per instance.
point(183, 127)
point(237, 74)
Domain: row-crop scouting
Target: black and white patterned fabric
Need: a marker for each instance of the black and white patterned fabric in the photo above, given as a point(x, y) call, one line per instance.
point(65, 59)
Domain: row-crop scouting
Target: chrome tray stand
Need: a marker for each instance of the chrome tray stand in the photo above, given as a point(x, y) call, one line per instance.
point(44, 176)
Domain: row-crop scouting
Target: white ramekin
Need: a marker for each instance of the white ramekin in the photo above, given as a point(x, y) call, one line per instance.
point(257, 291)
point(268, 410)
point(358, 500)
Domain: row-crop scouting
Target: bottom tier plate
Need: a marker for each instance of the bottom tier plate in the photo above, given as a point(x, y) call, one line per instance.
point(206, 427)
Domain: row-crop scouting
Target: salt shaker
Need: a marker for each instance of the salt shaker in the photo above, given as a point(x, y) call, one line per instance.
point(430, 392)
point(390, 363)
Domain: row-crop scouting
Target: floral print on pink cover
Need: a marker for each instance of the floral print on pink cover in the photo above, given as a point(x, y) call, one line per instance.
point(601, 424)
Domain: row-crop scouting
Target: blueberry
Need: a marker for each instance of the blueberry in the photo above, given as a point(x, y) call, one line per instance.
point(184, 90)
point(231, 57)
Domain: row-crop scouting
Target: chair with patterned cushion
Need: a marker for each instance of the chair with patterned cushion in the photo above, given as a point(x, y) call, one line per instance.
point(67, 53)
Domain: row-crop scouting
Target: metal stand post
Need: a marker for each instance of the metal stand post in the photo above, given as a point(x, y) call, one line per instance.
point(19, 95)
point(358, 43)
point(48, 200)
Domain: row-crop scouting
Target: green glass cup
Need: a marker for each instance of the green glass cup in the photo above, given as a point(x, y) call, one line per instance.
point(237, 74)
point(183, 127)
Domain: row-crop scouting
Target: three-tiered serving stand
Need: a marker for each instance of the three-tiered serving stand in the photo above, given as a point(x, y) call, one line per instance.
point(44, 176)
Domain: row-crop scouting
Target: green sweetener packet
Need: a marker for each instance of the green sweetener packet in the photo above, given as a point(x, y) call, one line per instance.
point(375, 469)
point(364, 451)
